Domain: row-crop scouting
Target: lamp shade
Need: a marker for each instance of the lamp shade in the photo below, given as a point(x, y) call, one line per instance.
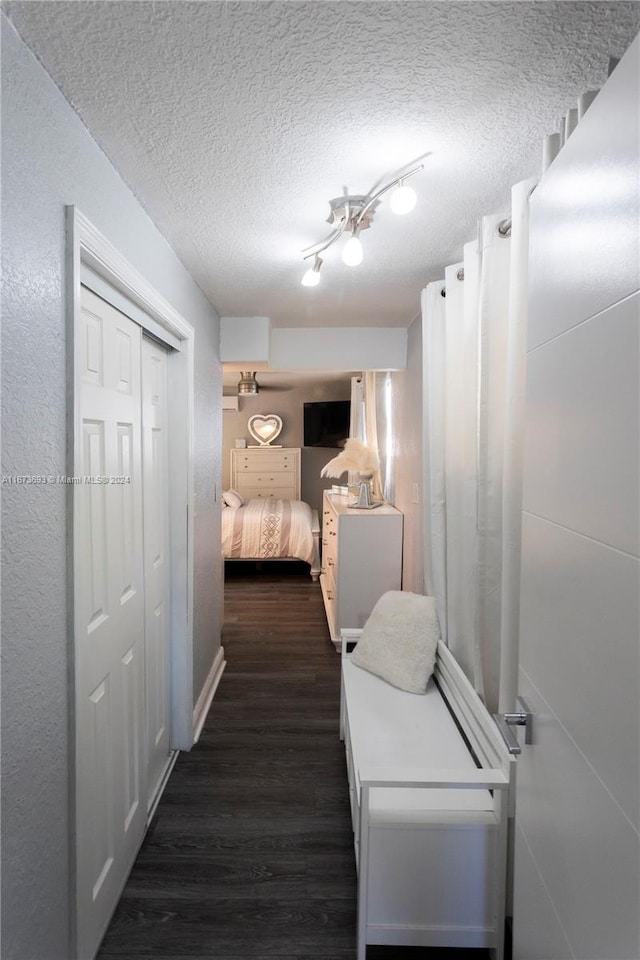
point(311, 278)
point(352, 252)
point(403, 199)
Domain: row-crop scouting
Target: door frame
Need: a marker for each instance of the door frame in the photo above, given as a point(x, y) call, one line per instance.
point(87, 246)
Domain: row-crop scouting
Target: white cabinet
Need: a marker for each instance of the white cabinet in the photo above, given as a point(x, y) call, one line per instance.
point(266, 472)
point(361, 560)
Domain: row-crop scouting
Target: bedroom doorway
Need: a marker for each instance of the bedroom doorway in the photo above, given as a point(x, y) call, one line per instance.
point(283, 393)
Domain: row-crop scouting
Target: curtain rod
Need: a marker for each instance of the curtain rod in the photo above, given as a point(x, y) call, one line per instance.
point(504, 230)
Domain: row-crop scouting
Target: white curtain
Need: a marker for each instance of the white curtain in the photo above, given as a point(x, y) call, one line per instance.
point(433, 380)
point(364, 420)
point(513, 445)
point(356, 423)
point(474, 382)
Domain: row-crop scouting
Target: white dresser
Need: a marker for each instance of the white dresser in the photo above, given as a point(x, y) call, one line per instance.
point(361, 560)
point(266, 472)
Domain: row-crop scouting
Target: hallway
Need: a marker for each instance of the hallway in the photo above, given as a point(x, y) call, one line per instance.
point(250, 852)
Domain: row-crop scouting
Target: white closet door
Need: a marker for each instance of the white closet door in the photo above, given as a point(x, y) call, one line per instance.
point(109, 615)
point(156, 561)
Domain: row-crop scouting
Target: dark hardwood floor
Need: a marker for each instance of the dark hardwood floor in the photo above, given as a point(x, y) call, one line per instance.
point(250, 854)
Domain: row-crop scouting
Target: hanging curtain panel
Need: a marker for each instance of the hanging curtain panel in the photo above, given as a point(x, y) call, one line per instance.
point(473, 343)
point(434, 413)
point(385, 433)
point(493, 317)
point(461, 460)
point(513, 445)
point(356, 423)
point(371, 427)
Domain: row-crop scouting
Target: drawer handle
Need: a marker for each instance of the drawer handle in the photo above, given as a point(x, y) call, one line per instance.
point(329, 595)
point(330, 562)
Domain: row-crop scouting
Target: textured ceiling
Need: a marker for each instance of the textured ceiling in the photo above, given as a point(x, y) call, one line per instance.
point(235, 123)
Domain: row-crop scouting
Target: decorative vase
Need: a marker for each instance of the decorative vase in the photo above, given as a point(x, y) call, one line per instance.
point(362, 488)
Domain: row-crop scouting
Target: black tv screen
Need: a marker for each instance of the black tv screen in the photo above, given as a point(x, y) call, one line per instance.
point(326, 423)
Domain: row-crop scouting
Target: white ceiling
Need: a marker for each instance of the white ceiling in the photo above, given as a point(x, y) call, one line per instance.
point(235, 123)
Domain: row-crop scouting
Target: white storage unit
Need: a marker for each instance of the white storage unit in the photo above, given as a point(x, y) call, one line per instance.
point(361, 560)
point(266, 472)
point(429, 815)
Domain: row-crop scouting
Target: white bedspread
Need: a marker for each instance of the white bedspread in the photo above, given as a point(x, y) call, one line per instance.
point(264, 529)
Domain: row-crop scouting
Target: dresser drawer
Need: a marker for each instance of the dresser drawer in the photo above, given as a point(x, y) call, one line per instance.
point(277, 478)
point(265, 491)
point(259, 462)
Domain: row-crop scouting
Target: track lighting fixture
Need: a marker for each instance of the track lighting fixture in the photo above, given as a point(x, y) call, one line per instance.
point(352, 214)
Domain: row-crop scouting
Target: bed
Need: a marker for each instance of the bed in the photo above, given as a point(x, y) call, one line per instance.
point(268, 529)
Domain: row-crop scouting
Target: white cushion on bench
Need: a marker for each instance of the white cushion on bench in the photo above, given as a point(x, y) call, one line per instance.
point(400, 639)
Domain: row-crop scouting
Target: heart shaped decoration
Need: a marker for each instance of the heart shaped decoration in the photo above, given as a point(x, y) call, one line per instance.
point(265, 429)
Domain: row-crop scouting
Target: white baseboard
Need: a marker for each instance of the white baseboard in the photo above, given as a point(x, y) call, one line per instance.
point(207, 693)
point(164, 779)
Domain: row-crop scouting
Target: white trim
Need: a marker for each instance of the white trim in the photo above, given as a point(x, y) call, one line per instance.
point(164, 779)
point(100, 254)
point(86, 245)
point(89, 278)
point(207, 693)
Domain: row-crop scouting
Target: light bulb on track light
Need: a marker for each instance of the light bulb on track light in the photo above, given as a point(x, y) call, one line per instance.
point(403, 199)
point(352, 251)
point(312, 277)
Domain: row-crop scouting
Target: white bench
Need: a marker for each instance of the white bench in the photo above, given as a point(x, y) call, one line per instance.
point(429, 809)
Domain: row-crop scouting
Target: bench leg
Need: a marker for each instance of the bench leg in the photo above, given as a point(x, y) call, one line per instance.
point(363, 873)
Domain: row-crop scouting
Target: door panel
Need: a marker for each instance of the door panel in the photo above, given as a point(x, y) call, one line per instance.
point(109, 606)
point(577, 863)
point(585, 849)
point(156, 561)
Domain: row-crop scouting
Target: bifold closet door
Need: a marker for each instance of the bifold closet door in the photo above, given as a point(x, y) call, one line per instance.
point(156, 561)
point(109, 614)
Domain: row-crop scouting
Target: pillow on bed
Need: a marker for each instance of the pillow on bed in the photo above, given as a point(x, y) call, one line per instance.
point(399, 640)
point(232, 498)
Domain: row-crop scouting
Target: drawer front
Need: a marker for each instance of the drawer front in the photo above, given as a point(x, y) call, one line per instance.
point(278, 478)
point(329, 540)
point(258, 463)
point(329, 596)
point(249, 492)
point(329, 555)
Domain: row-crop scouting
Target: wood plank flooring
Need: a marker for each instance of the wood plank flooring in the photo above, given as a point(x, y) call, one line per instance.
point(250, 854)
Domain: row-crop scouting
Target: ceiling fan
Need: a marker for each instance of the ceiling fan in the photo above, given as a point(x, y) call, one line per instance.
point(248, 385)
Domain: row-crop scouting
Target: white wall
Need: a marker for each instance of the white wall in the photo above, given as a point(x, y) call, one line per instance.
point(49, 160)
point(406, 400)
point(340, 348)
point(578, 842)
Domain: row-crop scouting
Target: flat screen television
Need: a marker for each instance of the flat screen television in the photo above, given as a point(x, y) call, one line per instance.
point(326, 423)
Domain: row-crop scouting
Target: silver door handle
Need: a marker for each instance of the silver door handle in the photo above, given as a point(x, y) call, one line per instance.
point(523, 717)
